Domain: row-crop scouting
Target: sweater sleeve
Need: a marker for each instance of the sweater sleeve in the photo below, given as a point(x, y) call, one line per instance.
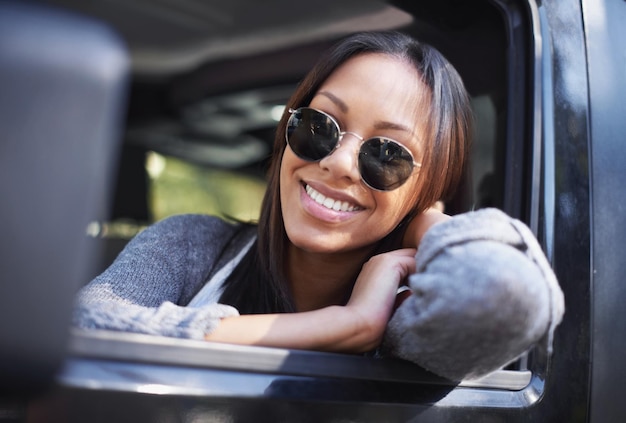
point(147, 287)
point(483, 294)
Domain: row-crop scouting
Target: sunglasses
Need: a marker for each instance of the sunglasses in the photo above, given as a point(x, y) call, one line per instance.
point(384, 164)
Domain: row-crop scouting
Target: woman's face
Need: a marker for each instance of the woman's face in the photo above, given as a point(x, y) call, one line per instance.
point(371, 95)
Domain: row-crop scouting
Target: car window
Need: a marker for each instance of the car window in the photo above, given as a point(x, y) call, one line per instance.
point(203, 148)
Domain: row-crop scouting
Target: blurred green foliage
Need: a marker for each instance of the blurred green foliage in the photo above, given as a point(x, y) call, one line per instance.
point(180, 187)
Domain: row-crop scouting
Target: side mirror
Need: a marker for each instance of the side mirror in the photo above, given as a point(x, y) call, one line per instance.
point(63, 88)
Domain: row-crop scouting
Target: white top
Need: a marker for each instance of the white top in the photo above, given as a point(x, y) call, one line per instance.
point(213, 289)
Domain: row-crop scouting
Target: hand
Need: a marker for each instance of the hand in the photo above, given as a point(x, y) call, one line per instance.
point(374, 293)
point(356, 327)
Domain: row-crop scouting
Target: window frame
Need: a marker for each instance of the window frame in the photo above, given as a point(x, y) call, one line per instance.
point(516, 388)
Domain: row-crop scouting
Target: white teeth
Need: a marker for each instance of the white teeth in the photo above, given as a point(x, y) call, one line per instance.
point(328, 202)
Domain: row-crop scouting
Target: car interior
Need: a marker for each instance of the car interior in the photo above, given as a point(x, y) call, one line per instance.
point(201, 115)
point(205, 86)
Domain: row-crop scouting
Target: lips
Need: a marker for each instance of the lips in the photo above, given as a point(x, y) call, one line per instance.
point(330, 203)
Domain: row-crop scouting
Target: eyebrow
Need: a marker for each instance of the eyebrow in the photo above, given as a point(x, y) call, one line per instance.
point(378, 125)
point(338, 102)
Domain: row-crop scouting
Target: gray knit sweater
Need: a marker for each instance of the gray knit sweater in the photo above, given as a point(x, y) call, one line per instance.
point(148, 286)
point(483, 292)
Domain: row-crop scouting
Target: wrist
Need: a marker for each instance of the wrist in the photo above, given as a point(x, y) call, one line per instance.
point(366, 330)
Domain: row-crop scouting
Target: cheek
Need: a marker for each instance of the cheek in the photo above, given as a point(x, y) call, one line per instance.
point(289, 185)
point(398, 203)
point(285, 170)
point(283, 186)
point(288, 164)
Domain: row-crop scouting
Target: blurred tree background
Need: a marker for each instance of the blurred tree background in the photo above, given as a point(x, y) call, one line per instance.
point(177, 186)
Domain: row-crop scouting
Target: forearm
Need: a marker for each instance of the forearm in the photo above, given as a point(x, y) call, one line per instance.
point(334, 328)
point(356, 327)
point(485, 293)
point(166, 320)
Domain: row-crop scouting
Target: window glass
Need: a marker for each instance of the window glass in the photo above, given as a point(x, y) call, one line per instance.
point(483, 152)
point(177, 186)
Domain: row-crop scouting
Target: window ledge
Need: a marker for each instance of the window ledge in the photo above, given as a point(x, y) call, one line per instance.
point(147, 349)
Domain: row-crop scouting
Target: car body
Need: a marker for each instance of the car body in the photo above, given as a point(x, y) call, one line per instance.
point(548, 86)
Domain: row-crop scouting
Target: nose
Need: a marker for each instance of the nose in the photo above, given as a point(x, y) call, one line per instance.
point(342, 163)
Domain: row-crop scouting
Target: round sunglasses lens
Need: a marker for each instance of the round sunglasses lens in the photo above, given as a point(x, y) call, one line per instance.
point(311, 135)
point(384, 164)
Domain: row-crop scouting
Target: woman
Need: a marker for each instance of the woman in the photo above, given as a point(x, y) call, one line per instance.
point(373, 137)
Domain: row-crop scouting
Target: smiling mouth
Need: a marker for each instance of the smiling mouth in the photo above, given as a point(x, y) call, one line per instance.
point(330, 203)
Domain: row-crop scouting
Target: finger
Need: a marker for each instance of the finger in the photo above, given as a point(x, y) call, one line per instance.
point(403, 252)
point(402, 262)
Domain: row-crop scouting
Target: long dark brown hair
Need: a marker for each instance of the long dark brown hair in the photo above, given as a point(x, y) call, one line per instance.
point(258, 284)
